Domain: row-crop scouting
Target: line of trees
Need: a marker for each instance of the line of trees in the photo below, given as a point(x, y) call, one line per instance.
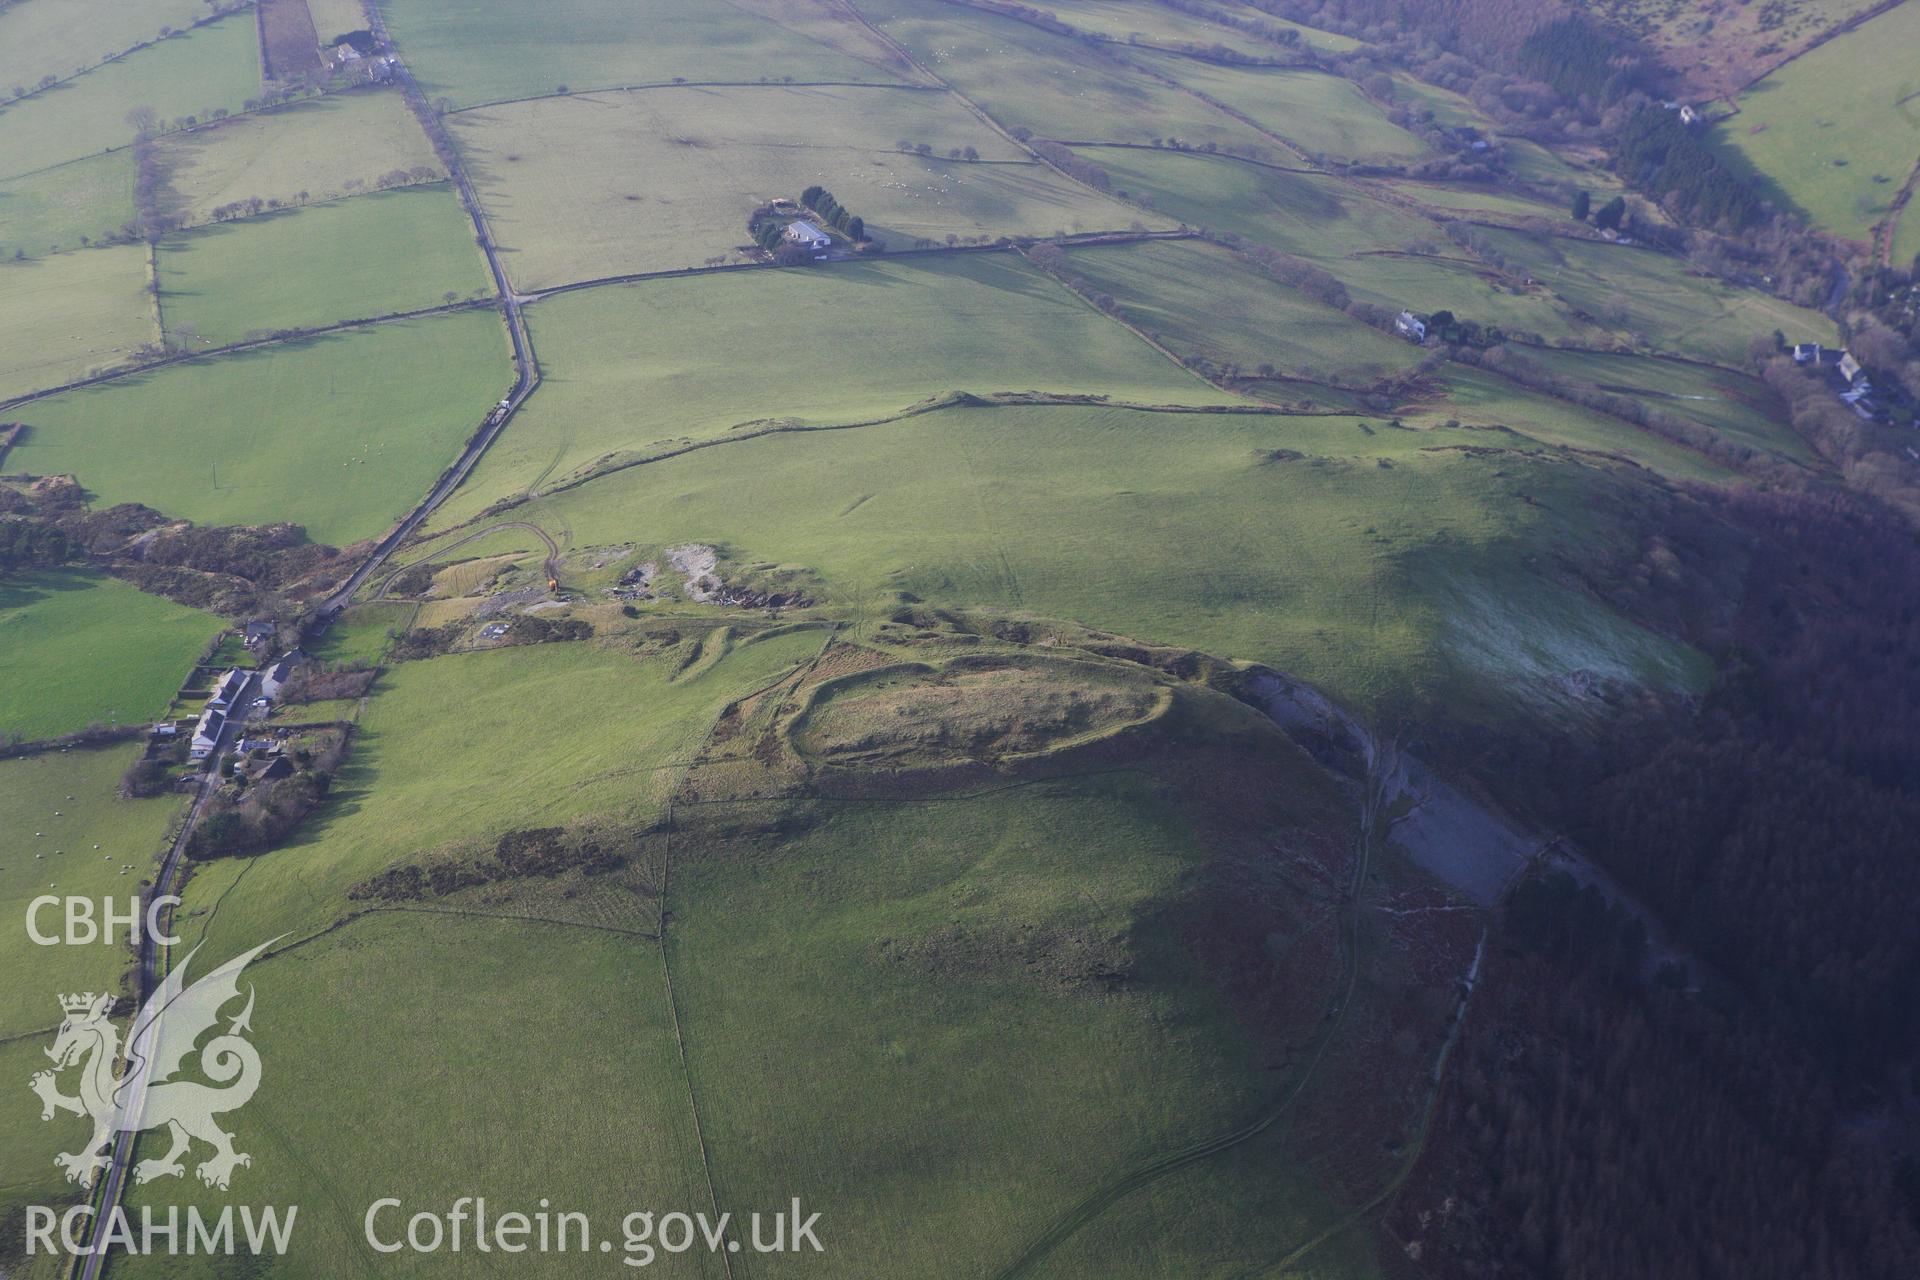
point(167, 32)
point(392, 179)
point(1073, 165)
point(836, 215)
point(148, 219)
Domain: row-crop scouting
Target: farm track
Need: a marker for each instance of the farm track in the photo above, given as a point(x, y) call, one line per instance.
point(1082, 240)
point(1087, 36)
point(1416, 1148)
point(551, 564)
point(519, 917)
point(1093, 143)
point(680, 1044)
point(1119, 318)
point(666, 962)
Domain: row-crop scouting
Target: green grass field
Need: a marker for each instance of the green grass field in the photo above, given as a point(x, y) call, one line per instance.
point(478, 51)
point(1329, 547)
point(1468, 288)
point(1135, 23)
point(631, 368)
point(1474, 199)
point(1122, 20)
point(942, 1080)
point(27, 1172)
point(889, 977)
point(54, 208)
point(72, 314)
point(58, 39)
point(81, 785)
point(360, 634)
point(217, 65)
point(79, 647)
point(327, 147)
point(1384, 253)
point(54, 810)
point(471, 746)
point(1653, 296)
point(1738, 407)
point(1319, 113)
point(659, 179)
point(1204, 302)
point(1056, 86)
point(1308, 215)
point(1449, 108)
point(1835, 131)
point(1482, 397)
point(372, 255)
point(1906, 238)
point(340, 433)
point(564, 1032)
point(1532, 163)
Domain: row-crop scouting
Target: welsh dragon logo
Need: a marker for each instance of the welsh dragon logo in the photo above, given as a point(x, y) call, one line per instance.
point(145, 1095)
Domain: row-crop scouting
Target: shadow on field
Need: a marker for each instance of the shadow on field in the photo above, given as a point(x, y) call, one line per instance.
point(19, 590)
point(1719, 139)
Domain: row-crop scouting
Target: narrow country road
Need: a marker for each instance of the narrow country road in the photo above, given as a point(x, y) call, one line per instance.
point(112, 1185)
point(120, 1161)
point(526, 364)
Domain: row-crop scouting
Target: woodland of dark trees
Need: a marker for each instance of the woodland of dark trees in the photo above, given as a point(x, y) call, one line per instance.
point(1661, 155)
point(1599, 1126)
point(1776, 824)
point(1756, 1116)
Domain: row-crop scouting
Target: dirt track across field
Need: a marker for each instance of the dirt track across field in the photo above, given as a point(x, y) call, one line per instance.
point(551, 565)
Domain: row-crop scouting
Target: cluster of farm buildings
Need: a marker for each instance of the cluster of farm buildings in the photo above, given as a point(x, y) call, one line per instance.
point(227, 697)
point(359, 54)
point(1849, 379)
